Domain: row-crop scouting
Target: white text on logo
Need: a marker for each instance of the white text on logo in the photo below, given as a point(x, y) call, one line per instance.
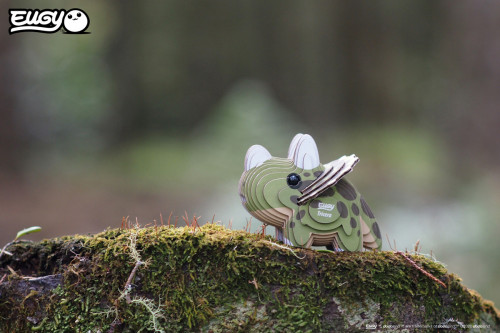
point(48, 20)
point(325, 206)
point(320, 213)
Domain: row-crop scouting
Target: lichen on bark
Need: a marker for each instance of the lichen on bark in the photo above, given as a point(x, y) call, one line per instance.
point(213, 279)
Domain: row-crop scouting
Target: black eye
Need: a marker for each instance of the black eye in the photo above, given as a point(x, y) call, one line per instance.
point(69, 16)
point(79, 14)
point(293, 180)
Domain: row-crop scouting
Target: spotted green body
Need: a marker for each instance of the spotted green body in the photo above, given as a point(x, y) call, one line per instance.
point(337, 216)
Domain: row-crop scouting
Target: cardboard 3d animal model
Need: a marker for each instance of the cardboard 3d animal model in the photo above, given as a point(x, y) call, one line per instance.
point(309, 203)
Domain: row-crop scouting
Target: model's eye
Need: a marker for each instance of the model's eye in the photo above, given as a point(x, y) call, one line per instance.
point(78, 14)
point(293, 180)
point(69, 16)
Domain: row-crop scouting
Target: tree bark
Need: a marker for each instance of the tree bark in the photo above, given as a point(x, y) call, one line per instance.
point(212, 279)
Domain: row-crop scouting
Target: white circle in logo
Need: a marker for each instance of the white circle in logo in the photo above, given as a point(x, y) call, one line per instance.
point(76, 21)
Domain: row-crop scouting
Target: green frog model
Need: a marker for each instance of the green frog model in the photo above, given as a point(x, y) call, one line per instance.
point(309, 203)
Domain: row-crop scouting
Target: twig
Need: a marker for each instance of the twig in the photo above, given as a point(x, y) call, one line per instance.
point(416, 249)
point(249, 225)
point(194, 223)
point(3, 249)
point(389, 242)
point(128, 284)
point(254, 282)
point(186, 219)
point(263, 231)
point(285, 248)
point(12, 271)
point(423, 271)
point(138, 262)
point(12, 243)
point(155, 313)
point(256, 285)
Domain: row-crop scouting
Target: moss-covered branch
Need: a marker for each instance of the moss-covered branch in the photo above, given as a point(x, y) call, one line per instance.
point(212, 279)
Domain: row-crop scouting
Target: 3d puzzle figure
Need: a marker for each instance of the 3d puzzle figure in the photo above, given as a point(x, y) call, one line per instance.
point(308, 203)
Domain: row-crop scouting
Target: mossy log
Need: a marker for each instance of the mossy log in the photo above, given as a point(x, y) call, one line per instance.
point(212, 279)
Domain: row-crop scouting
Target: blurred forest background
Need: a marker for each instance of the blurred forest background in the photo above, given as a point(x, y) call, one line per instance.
point(153, 112)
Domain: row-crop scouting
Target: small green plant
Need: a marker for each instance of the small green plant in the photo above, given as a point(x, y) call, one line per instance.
point(20, 234)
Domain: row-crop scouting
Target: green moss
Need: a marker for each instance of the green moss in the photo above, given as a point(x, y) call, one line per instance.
point(217, 280)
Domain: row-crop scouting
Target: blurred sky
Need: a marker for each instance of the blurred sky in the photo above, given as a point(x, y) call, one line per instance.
point(153, 110)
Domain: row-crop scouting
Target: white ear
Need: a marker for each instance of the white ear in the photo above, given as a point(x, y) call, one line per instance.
point(293, 145)
point(306, 155)
point(256, 155)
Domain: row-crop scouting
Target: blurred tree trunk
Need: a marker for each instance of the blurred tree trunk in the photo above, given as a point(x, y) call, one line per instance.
point(471, 60)
point(123, 59)
point(11, 135)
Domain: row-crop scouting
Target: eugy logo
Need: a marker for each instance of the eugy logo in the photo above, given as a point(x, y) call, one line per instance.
point(325, 206)
point(74, 21)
